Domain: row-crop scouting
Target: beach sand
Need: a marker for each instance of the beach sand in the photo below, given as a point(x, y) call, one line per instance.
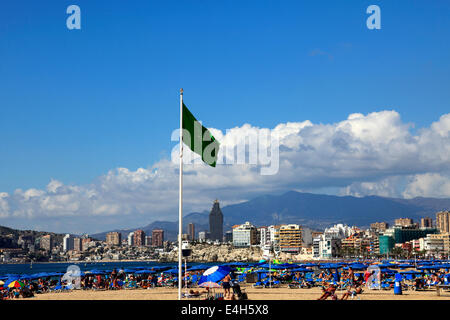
point(283, 293)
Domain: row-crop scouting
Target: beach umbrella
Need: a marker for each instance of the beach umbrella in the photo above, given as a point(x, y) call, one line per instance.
point(300, 270)
point(385, 270)
point(198, 267)
point(330, 266)
point(289, 265)
point(209, 284)
point(214, 274)
point(95, 271)
point(144, 271)
point(16, 284)
point(174, 271)
point(272, 266)
point(129, 270)
point(2, 282)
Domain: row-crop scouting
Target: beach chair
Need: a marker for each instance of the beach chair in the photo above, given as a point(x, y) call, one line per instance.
point(218, 296)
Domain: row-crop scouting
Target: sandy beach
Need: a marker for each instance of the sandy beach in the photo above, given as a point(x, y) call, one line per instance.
point(283, 293)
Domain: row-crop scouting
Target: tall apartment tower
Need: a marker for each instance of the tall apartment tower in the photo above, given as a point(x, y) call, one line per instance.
point(191, 231)
point(426, 222)
point(216, 222)
point(114, 238)
point(46, 242)
point(68, 242)
point(157, 238)
point(443, 221)
point(139, 238)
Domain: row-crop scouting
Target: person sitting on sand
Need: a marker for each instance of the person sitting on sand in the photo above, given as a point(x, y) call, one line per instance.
point(352, 291)
point(329, 292)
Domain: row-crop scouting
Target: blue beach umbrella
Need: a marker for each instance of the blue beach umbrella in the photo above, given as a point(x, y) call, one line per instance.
point(95, 271)
point(300, 270)
point(173, 271)
point(272, 266)
point(198, 267)
point(144, 271)
point(214, 274)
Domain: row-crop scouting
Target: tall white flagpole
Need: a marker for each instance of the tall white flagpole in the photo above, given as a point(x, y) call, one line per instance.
point(180, 210)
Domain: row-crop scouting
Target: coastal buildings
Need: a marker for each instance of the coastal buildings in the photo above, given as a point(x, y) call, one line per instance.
point(244, 235)
point(290, 238)
point(191, 231)
point(228, 236)
point(157, 238)
point(148, 241)
point(68, 242)
point(386, 243)
point(443, 221)
point(139, 238)
point(404, 222)
point(340, 231)
point(379, 226)
point(325, 246)
point(77, 245)
point(426, 222)
point(114, 238)
point(130, 239)
point(46, 242)
point(216, 222)
point(203, 236)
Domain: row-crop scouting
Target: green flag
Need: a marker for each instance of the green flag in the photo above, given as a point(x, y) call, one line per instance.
point(199, 139)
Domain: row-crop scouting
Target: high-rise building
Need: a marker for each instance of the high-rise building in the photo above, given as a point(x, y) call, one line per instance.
point(229, 236)
point(46, 242)
point(264, 237)
point(291, 238)
point(443, 221)
point(191, 231)
point(85, 243)
point(379, 226)
point(326, 246)
point(216, 222)
point(130, 239)
point(68, 242)
point(139, 238)
point(77, 245)
point(157, 238)
point(114, 238)
point(148, 241)
point(426, 222)
point(244, 235)
point(404, 222)
point(203, 236)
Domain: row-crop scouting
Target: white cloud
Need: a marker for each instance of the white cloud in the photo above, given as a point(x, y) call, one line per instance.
point(364, 154)
point(428, 185)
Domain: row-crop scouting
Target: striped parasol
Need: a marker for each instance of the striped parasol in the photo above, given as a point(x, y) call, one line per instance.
point(16, 284)
point(209, 284)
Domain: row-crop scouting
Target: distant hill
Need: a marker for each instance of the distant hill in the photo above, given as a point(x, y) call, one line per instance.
point(312, 210)
point(6, 232)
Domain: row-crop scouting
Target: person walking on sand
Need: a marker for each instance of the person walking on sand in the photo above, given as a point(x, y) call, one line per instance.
point(226, 283)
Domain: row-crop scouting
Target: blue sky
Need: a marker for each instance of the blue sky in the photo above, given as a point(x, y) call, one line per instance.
point(75, 104)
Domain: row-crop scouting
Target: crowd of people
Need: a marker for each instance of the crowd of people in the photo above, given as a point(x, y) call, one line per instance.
point(344, 280)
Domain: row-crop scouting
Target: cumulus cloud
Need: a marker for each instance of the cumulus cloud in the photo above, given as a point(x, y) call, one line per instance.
point(428, 185)
point(375, 153)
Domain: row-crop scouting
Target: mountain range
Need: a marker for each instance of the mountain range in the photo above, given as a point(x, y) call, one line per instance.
point(315, 211)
